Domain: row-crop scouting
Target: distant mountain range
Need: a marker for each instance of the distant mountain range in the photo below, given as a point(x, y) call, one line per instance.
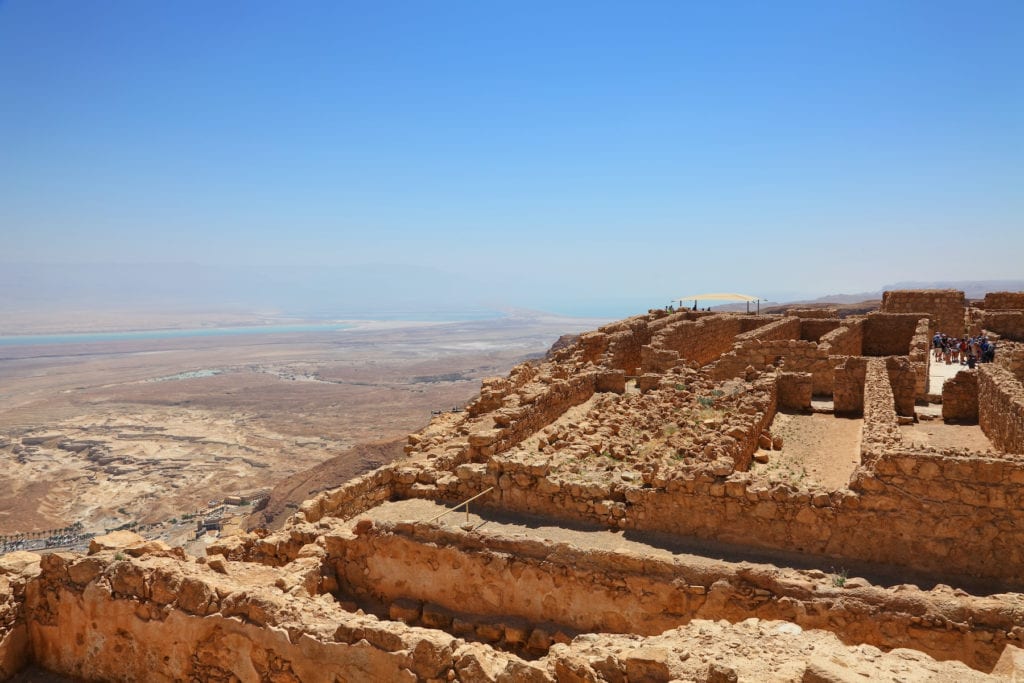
point(973, 289)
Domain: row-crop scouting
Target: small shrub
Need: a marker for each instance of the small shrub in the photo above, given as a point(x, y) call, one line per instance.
point(119, 556)
point(839, 579)
point(706, 401)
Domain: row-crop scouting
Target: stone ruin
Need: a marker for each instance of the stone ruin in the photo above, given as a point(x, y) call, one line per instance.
point(619, 528)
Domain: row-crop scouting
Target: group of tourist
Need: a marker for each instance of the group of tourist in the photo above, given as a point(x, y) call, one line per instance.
point(965, 350)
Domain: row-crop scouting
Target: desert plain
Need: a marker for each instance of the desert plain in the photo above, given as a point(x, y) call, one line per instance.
point(145, 430)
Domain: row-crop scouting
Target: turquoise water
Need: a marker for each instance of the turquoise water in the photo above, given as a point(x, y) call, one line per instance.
point(87, 337)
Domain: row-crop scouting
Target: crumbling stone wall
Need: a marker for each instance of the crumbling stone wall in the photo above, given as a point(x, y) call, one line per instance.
point(1007, 324)
point(17, 570)
point(881, 427)
point(944, 307)
point(700, 341)
point(1001, 301)
point(814, 330)
point(920, 357)
point(624, 345)
point(904, 381)
point(776, 330)
point(591, 346)
point(814, 313)
point(1001, 407)
point(1011, 356)
point(522, 591)
point(848, 388)
point(875, 521)
point(960, 397)
point(160, 619)
point(889, 334)
point(793, 355)
point(845, 340)
point(667, 332)
point(795, 390)
point(534, 407)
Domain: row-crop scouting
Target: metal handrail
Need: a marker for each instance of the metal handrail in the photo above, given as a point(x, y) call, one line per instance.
point(465, 502)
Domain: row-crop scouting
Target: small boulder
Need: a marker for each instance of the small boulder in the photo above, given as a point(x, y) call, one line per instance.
point(648, 664)
point(116, 540)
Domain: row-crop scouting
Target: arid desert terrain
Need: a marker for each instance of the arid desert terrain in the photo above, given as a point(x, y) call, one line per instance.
point(107, 433)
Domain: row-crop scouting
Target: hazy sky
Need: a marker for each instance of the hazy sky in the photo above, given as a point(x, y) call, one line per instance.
point(552, 150)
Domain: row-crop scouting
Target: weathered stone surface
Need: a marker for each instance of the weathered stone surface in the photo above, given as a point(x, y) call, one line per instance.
point(116, 540)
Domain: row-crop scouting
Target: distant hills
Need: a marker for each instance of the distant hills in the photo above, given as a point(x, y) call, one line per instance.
point(973, 289)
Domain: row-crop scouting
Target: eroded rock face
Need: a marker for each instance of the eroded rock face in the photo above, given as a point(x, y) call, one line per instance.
point(17, 571)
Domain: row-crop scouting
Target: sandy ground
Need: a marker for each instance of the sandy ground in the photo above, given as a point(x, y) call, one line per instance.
point(816, 449)
point(143, 430)
point(937, 434)
point(934, 432)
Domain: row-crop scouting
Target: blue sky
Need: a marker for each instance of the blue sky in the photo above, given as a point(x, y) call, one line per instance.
point(545, 153)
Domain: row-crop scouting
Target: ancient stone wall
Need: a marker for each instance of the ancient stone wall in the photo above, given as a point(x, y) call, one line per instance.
point(960, 397)
point(17, 569)
point(920, 357)
point(795, 390)
point(848, 384)
point(151, 614)
point(814, 330)
point(700, 341)
point(845, 340)
point(776, 330)
point(624, 345)
point(511, 590)
point(876, 521)
point(536, 407)
point(1010, 355)
point(999, 301)
point(793, 355)
point(1007, 324)
point(954, 511)
point(814, 313)
point(889, 334)
point(155, 619)
point(881, 430)
point(358, 494)
point(904, 381)
point(1001, 407)
point(591, 346)
point(944, 307)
